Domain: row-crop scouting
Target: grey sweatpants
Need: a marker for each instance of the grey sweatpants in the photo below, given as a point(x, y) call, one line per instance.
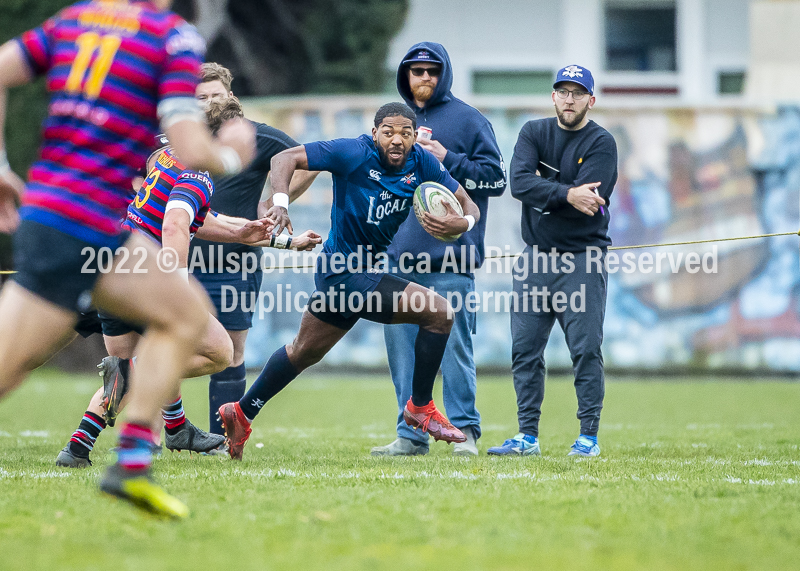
point(581, 319)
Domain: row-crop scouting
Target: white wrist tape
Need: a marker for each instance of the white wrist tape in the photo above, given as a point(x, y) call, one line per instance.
point(184, 273)
point(4, 166)
point(470, 221)
point(281, 242)
point(281, 199)
point(230, 160)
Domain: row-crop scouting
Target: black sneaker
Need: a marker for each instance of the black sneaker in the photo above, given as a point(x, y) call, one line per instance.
point(66, 459)
point(191, 438)
point(115, 384)
point(140, 490)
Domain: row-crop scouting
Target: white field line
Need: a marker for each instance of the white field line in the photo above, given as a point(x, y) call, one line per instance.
point(454, 475)
point(285, 473)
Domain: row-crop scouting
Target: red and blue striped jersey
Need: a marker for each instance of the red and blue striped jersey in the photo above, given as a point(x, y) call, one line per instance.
point(168, 182)
point(110, 65)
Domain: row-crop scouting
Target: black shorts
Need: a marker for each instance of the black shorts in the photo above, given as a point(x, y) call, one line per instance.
point(114, 327)
point(341, 300)
point(88, 324)
point(56, 266)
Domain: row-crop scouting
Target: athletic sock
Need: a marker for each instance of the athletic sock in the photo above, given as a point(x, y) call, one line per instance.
point(592, 438)
point(226, 386)
point(173, 416)
point(135, 447)
point(277, 373)
point(428, 352)
point(429, 407)
point(84, 437)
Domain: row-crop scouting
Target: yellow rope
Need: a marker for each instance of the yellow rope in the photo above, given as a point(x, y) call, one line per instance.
point(687, 243)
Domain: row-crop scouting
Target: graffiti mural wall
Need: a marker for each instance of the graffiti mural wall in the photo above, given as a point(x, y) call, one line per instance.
point(685, 175)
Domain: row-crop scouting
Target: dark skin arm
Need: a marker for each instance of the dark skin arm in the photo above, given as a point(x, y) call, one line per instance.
point(282, 168)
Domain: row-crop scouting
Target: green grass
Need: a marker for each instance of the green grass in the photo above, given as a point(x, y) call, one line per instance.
point(693, 475)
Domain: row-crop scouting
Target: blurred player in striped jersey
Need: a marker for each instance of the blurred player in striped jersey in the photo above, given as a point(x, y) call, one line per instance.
point(114, 71)
point(170, 208)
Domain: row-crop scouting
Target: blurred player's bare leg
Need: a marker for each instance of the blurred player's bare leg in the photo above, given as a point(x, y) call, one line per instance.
point(122, 346)
point(32, 331)
point(214, 354)
point(68, 338)
point(175, 313)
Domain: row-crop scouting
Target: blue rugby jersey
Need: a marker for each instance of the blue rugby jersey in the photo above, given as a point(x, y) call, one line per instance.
point(369, 204)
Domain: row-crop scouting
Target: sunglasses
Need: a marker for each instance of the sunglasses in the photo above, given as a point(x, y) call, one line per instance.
point(420, 71)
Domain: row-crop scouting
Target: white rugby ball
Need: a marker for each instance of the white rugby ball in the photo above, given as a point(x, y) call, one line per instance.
point(431, 197)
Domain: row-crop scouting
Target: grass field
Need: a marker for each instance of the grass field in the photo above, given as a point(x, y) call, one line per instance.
point(693, 475)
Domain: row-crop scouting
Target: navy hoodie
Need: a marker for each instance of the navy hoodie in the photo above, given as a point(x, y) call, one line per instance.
point(473, 159)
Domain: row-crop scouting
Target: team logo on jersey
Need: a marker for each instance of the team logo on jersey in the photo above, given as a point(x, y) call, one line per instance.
point(573, 71)
point(379, 212)
point(409, 178)
point(374, 175)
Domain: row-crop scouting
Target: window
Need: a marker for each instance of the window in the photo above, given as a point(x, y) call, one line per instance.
point(512, 82)
point(730, 83)
point(640, 39)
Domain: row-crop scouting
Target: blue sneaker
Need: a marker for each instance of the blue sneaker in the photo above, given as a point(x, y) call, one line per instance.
point(520, 445)
point(585, 446)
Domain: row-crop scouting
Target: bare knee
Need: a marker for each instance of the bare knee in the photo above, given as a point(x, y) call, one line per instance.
point(186, 320)
point(221, 356)
point(440, 317)
point(122, 346)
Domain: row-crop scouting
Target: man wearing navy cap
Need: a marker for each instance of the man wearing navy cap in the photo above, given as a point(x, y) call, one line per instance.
point(563, 171)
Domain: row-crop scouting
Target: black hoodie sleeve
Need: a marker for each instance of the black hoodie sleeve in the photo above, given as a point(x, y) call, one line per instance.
point(483, 165)
point(527, 186)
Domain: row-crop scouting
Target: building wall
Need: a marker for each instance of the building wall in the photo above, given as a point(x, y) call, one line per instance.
point(684, 174)
point(712, 36)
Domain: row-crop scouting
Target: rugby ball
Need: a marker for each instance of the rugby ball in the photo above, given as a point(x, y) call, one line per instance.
point(431, 197)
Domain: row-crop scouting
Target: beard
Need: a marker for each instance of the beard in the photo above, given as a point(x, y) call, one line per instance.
point(422, 92)
point(389, 167)
point(576, 118)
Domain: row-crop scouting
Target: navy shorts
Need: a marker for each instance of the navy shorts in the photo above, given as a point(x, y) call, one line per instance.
point(236, 319)
point(342, 299)
point(56, 266)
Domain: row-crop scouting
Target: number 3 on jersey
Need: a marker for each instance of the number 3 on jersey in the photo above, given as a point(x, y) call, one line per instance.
point(148, 185)
point(88, 43)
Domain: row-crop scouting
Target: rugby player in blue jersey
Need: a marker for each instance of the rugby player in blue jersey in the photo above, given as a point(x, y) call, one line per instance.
point(374, 179)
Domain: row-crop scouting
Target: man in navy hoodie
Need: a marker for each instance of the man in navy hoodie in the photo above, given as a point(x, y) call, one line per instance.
point(463, 140)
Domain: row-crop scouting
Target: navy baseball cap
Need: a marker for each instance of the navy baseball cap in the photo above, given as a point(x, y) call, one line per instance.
point(423, 55)
point(576, 74)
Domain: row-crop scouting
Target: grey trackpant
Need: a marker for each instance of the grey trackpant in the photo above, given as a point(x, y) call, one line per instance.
point(582, 326)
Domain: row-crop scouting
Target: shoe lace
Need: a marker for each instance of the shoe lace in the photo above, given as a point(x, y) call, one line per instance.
point(582, 446)
point(438, 417)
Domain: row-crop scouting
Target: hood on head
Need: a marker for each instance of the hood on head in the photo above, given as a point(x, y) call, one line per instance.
point(442, 91)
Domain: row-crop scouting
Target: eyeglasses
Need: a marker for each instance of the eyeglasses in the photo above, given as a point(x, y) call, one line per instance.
point(420, 71)
point(577, 95)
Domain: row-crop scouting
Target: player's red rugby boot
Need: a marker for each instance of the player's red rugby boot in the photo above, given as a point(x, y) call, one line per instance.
point(237, 429)
point(429, 419)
